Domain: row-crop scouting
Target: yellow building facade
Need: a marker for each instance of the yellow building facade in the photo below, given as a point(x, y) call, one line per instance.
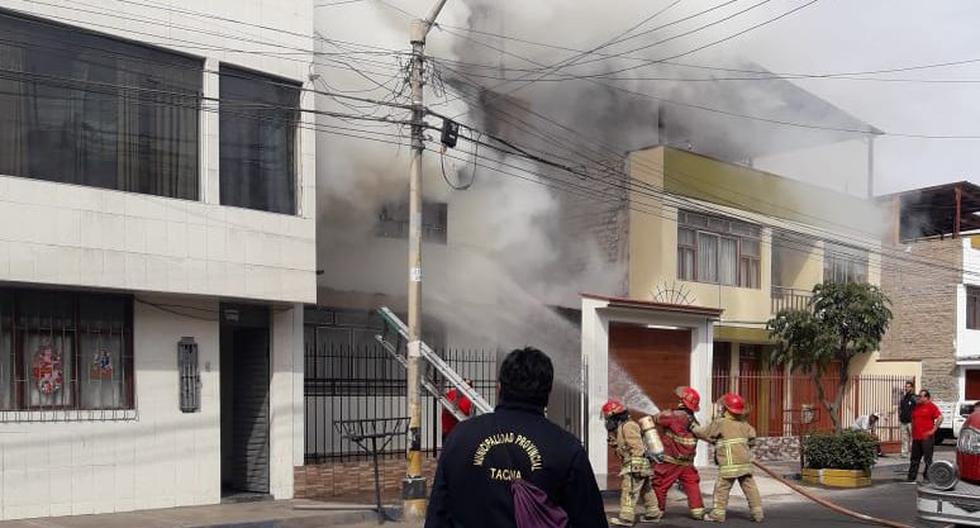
point(708, 233)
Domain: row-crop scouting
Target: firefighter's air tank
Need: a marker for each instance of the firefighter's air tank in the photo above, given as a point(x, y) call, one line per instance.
point(650, 436)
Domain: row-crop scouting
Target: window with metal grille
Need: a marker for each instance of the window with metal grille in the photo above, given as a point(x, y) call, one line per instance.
point(63, 351)
point(718, 250)
point(973, 308)
point(393, 221)
point(190, 376)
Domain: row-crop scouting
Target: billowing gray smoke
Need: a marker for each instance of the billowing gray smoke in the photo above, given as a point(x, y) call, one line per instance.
point(518, 247)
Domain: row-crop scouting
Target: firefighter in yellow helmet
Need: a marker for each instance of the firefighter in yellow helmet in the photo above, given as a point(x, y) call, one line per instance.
point(732, 437)
point(625, 437)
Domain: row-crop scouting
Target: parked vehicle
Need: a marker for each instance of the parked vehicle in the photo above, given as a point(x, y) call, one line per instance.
point(952, 494)
point(965, 408)
point(947, 429)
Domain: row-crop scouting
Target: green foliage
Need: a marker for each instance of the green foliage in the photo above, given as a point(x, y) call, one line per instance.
point(844, 320)
point(844, 450)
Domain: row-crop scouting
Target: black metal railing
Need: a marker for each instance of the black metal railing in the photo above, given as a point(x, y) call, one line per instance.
point(344, 382)
point(784, 298)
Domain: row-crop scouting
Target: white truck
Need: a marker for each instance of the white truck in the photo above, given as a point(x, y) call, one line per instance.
point(954, 415)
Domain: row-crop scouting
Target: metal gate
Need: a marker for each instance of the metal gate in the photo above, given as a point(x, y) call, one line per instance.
point(247, 329)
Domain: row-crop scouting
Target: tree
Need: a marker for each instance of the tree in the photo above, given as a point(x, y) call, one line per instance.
point(844, 320)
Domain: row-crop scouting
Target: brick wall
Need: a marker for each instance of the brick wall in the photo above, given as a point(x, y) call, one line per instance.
point(356, 478)
point(923, 299)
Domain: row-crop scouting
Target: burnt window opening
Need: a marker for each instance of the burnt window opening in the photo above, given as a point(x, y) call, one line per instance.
point(393, 221)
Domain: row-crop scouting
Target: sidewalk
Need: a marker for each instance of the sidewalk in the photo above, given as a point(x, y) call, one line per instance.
point(268, 514)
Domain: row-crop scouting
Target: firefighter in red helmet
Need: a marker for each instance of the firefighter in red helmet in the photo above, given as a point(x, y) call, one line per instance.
point(733, 437)
point(680, 446)
point(625, 437)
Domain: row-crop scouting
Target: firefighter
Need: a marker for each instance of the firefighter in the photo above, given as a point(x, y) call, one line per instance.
point(680, 445)
point(625, 437)
point(732, 437)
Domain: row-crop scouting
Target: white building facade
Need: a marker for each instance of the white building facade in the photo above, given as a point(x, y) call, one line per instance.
point(157, 244)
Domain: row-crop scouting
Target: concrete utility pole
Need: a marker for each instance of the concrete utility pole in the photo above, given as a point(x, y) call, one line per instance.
point(413, 487)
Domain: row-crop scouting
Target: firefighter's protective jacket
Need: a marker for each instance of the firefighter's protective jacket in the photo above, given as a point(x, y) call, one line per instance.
point(680, 444)
point(732, 439)
point(486, 453)
point(630, 449)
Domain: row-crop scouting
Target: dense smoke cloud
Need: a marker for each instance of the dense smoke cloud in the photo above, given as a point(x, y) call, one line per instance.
point(515, 247)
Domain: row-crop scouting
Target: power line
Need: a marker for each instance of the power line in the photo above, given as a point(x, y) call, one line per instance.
point(338, 3)
point(681, 201)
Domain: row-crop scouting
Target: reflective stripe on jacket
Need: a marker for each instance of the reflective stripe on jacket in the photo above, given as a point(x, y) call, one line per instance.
point(732, 440)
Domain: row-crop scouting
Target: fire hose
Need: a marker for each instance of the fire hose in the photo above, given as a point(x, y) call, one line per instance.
point(830, 505)
point(654, 446)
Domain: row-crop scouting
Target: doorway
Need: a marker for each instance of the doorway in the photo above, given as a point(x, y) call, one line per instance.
point(658, 361)
point(245, 381)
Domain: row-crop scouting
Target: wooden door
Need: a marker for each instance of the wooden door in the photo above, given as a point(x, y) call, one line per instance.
point(657, 360)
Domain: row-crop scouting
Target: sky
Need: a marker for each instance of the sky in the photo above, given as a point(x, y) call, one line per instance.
point(825, 37)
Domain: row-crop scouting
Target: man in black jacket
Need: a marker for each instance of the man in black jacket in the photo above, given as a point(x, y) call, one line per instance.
point(472, 487)
point(905, 416)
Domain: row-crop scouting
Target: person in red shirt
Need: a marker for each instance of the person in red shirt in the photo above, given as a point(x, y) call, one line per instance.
point(926, 419)
point(462, 403)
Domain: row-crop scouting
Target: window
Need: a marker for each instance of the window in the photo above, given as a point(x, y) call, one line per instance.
point(972, 388)
point(844, 263)
point(257, 135)
point(718, 250)
point(65, 351)
point(393, 221)
point(973, 308)
point(78, 107)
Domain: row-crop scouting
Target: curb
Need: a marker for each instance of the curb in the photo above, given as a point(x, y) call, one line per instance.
point(338, 517)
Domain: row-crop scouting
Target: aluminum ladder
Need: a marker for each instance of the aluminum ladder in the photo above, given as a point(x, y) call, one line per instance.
point(394, 339)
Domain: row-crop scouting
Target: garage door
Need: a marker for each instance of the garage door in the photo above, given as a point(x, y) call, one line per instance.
point(658, 360)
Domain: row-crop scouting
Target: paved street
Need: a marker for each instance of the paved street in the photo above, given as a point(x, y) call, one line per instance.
point(889, 498)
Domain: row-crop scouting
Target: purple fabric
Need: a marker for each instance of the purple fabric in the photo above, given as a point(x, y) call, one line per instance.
point(533, 508)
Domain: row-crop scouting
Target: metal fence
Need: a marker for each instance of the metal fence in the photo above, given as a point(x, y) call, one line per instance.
point(346, 382)
point(776, 400)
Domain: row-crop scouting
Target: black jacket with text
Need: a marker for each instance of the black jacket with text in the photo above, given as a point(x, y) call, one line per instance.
point(484, 454)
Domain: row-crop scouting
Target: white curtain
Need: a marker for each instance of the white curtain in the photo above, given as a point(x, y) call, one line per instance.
point(62, 344)
point(728, 261)
point(707, 257)
point(101, 371)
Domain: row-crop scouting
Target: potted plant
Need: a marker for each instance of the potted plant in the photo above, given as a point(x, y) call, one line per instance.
point(840, 460)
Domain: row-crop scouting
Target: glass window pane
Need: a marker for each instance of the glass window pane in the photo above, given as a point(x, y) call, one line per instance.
point(750, 247)
point(728, 261)
point(707, 258)
point(49, 359)
point(97, 111)
point(258, 121)
point(685, 264)
point(102, 370)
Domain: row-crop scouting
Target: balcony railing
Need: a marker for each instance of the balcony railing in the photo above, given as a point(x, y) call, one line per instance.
point(784, 298)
